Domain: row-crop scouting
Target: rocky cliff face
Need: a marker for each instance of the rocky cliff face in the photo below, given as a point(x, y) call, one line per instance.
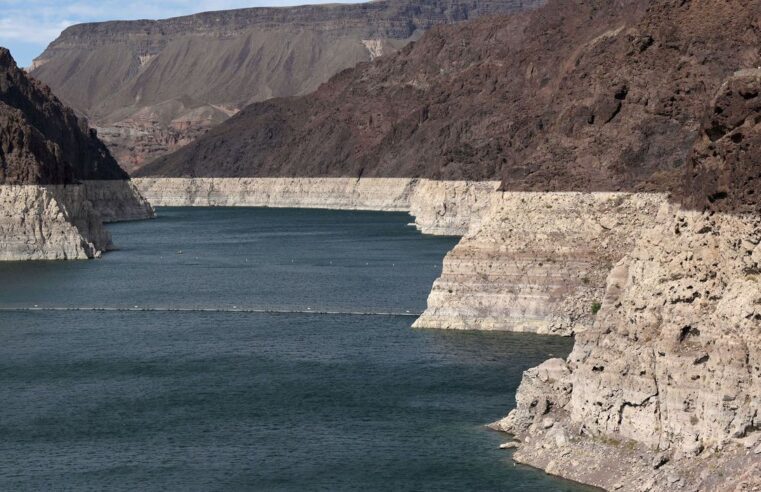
point(41, 140)
point(665, 389)
point(537, 262)
point(579, 95)
point(51, 222)
point(439, 207)
point(153, 86)
point(58, 182)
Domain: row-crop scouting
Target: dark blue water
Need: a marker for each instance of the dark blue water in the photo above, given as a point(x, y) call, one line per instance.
point(194, 400)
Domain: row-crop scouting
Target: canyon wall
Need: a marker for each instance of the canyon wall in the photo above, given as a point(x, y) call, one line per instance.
point(439, 207)
point(58, 182)
point(537, 262)
point(581, 95)
point(663, 392)
point(117, 200)
point(150, 87)
point(52, 222)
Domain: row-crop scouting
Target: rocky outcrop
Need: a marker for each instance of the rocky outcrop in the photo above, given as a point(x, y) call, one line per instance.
point(451, 208)
point(58, 182)
point(41, 140)
point(50, 222)
point(664, 391)
point(153, 86)
point(117, 200)
point(537, 262)
point(440, 207)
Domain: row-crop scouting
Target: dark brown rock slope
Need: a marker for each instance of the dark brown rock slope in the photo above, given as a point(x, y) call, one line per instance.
point(41, 140)
point(725, 167)
point(153, 86)
point(576, 95)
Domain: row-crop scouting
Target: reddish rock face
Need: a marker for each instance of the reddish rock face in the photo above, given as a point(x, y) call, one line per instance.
point(41, 140)
point(577, 95)
point(724, 172)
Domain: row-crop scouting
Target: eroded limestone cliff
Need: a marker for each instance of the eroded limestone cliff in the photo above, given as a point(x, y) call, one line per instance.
point(49, 222)
point(537, 262)
point(439, 207)
point(664, 391)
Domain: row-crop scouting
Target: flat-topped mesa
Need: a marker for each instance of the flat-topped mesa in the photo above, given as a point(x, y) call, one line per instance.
point(151, 87)
point(53, 170)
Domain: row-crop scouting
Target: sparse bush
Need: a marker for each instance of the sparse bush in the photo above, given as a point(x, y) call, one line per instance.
point(596, 306)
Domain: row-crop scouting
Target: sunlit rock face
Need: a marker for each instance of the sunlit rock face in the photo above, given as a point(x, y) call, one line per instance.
point(537, 262)
point(667, 382)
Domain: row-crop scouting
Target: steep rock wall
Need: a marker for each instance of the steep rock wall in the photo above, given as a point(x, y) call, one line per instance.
point(665, 391)
point(538, 261)
point(451, 208)
point(440, 207)
point(52, 222)
point(117, 201)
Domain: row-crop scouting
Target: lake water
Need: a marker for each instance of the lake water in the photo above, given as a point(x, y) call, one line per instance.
point(162, 374)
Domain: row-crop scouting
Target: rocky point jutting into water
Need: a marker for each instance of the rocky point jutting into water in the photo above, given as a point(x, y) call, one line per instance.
point(58, 183)
point(151, 87)
point(665, 390)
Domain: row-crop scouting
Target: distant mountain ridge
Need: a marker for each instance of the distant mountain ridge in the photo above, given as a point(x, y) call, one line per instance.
point(153, 86)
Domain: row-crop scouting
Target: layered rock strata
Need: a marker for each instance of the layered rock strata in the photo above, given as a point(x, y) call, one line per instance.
point(58, 182)
point(664, 391)
point(51, 222)
point(440, 207)
point(451, 208)
point(117, 200)
point(538, 262)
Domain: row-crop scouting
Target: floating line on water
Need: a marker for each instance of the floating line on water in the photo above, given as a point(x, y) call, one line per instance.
point(209, 310)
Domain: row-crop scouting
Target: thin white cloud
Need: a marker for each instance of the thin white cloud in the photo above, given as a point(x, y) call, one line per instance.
point(29, 31)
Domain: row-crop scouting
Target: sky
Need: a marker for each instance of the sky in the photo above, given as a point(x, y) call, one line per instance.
point(27, 26)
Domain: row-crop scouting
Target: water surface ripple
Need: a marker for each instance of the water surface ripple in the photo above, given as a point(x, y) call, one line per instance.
point(151, 368)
